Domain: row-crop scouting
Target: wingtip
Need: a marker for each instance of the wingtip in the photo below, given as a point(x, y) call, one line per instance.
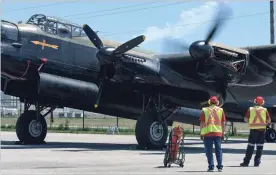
point(84, 25)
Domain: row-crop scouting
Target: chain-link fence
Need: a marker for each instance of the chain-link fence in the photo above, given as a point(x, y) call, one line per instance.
point(72, 119)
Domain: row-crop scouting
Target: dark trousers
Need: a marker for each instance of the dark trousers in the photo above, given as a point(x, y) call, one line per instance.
point(208, 147)
point(256, 137)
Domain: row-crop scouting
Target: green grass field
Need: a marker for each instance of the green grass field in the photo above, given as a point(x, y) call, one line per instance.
point(100, 122)
point(78, 122)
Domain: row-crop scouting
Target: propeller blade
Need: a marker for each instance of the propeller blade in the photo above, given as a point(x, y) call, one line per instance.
point(93, 36)
point(175, 45)
point(99, 94)
point(129, 45)
point(222, 13)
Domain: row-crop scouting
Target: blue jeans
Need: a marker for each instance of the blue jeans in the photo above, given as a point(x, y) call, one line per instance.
point(208, 147)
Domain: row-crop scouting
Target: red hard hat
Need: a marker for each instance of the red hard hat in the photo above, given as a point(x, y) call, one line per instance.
point(259, 100)
point(213, 100)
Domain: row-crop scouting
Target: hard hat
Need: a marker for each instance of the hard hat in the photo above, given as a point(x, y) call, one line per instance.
point(213, 100)
point(259, 100)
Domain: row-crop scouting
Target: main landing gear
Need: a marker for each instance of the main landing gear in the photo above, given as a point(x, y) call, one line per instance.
point(31, 126)
point(151, 128)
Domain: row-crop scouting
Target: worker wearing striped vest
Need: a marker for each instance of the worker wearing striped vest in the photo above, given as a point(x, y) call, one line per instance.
point(212, 127)
point(258, 119)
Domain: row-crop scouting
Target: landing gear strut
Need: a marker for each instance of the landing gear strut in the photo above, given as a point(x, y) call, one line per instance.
point(31, 126)
point(151, 128)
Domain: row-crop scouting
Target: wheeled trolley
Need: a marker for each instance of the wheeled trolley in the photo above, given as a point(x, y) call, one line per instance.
point(175, 149)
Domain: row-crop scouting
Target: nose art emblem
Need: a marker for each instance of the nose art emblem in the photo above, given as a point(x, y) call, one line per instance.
point(44, 44)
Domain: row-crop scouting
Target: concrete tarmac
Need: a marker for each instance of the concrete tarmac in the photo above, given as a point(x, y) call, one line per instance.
point(116, 154)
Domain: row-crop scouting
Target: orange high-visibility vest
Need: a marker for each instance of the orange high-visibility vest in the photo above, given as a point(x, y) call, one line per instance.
point(257, 119)
point(213, 116)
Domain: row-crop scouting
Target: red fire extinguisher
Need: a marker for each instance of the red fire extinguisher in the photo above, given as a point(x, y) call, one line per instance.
point(176, 136)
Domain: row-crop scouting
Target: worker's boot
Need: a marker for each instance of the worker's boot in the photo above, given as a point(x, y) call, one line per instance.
point(210, 170)
point(243, 164)
point(256, 164)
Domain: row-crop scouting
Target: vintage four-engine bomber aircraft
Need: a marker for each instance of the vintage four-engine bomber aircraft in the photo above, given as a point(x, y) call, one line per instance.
point(50, 63)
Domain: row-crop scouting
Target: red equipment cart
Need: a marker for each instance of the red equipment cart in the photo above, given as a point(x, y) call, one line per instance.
point(175, 149)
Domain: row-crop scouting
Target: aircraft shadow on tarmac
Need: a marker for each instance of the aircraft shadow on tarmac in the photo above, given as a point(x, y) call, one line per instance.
point(82, 147)
point(198, 150)
point(91, 146)
point(66, 145)
point(193, 171)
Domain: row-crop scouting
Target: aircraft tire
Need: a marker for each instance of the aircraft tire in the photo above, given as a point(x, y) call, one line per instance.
point(270, 135)
point(29, 130)
point(147, 134)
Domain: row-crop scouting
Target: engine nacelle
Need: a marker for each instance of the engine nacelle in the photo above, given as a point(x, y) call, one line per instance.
point(225, 64)
point(66, 88)
point(51, 86)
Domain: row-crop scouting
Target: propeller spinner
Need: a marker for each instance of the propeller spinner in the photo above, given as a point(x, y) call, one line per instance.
point(108, 55)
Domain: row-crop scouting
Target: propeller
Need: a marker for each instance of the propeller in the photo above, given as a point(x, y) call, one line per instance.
point(202, 49)
point(108, 55)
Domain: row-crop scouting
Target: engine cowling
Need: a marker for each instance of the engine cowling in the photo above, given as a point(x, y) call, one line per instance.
point(223, 62)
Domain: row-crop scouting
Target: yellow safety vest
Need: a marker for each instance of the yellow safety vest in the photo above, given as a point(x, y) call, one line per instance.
point(213, 116)
point(257, 119)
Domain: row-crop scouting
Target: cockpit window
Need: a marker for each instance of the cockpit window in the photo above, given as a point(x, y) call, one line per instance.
point(9, 31)
point(56, 26)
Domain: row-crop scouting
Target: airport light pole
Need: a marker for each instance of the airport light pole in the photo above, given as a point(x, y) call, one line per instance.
point(272, 31)
point(272, 22)
point(82, 119)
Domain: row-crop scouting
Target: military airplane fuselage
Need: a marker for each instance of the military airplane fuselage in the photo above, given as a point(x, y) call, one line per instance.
point(51, 63)
point(27, 48)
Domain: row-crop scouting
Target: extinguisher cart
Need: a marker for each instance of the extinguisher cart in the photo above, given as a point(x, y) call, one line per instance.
point(175, 153)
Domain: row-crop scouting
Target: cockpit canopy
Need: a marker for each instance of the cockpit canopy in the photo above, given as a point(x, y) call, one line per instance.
point(56, 26)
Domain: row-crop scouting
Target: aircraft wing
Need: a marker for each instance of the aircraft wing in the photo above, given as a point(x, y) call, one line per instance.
point(263, 49)
point(170, 58)
point(265, 55)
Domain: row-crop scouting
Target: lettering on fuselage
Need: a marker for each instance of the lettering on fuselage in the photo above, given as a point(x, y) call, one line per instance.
point(44, 44)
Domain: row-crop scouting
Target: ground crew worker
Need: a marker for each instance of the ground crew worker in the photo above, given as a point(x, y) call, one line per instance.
point(258, 118)
point(212, 127)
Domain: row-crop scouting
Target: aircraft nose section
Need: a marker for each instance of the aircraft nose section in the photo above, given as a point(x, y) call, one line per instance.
point(10, 48)
point(9, 37)
point(9, 30)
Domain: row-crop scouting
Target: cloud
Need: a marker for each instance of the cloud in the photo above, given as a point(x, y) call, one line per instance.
point(194, 15)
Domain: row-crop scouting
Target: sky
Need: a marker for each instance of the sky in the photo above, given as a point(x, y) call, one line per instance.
point(184, 20)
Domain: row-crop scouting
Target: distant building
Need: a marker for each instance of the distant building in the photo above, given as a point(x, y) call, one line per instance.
point(11, 106)
point(9, 101)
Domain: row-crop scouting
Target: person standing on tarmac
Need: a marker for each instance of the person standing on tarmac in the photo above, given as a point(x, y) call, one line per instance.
point(212, 128)
point(258, 118)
